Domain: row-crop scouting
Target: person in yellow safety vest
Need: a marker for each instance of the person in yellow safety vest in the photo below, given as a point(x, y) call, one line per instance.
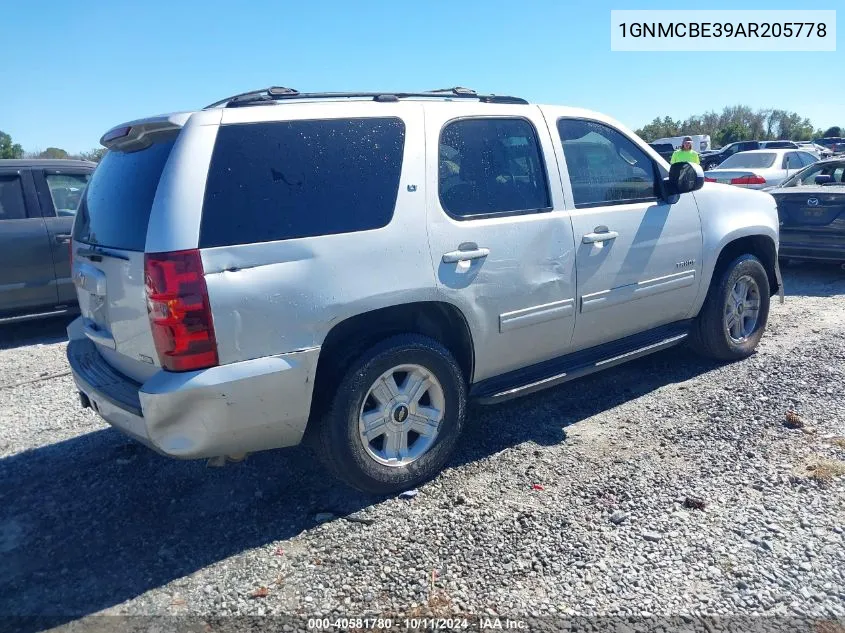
point(686, 154)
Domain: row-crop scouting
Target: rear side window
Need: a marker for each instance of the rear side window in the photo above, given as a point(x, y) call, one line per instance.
point(491, 166)
point(294, 179)
point(792, 160)
point(808, 159)
point(11, 198)
point(115, 208)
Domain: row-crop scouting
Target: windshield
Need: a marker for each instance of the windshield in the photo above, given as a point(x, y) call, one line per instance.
point(807, 176)
point(747, 160)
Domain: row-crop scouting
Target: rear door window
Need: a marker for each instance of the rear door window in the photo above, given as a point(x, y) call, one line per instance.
point(12, 206)
point(791, 160)
point(491, 166)
point(293, 179)
point(115, 209)
point(807, 159)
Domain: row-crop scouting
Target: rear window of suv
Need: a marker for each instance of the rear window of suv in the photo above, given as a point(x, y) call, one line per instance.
point(293, 179)
point(115, 210)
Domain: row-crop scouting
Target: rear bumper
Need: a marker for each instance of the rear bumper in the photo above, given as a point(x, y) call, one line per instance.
point(232, 409)
point(801, 246)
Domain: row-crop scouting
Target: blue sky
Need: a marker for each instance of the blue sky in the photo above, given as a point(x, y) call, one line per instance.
point(71, 70)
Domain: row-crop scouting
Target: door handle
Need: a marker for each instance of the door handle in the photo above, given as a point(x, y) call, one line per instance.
point(61, 238)
point(454, 257)
point(600, 236)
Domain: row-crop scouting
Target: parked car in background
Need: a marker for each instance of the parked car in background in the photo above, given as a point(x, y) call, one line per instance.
point(664, 149)
point(405, 254)
point(819, 150)
point(700, 142)
point(811, 206)
point(778, 145)
point(38, 202)
point(836, 144)
point(760, 168)
point(713, 158)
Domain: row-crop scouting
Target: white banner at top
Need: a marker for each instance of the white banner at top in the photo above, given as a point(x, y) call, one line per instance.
point(722, 30)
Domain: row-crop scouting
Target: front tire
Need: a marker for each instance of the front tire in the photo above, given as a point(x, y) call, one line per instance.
point(396, 416)
point(735, 312)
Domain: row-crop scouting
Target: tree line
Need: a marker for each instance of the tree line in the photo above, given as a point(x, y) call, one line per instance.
point(739, 123)
point(8, 149)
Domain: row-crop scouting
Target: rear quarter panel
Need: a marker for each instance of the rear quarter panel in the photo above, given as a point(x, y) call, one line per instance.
point(727, 214)
point(284, 296)
point(177, 207)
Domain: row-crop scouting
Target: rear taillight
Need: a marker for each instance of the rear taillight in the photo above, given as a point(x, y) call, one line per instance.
point(179, 311)
point(748, 180)
point(708, 179)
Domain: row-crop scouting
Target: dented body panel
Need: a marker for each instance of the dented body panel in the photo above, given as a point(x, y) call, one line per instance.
point(519, 299)
point(274, 297)
point(229, 409)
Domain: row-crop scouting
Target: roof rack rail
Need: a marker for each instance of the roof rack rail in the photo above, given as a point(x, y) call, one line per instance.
point(279, 93)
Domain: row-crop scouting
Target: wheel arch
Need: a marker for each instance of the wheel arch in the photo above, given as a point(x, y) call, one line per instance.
point(348, 339)
point(760, 244)
point(762, 247)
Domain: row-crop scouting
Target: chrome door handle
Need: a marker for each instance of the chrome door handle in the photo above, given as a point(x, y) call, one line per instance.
point(601, 236)
point(61, 238)
point(458, 256)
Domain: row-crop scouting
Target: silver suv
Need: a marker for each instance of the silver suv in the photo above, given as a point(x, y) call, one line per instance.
point(348, 270)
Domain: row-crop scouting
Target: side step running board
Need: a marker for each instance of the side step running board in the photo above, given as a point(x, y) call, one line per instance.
point(522, 382)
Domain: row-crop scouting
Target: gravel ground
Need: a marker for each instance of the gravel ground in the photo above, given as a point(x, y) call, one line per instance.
point(668, 486)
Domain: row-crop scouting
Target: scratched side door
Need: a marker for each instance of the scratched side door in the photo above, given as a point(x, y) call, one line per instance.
point(500, 235)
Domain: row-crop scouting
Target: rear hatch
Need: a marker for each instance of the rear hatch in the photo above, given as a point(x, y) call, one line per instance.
point(109, 239)
point(812, 208)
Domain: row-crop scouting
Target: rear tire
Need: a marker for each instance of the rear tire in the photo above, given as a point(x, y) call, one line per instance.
point(396, 416)
point(735, 312)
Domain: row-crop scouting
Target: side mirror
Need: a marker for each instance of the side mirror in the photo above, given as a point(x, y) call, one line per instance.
point(683, 178)
point(824, 179)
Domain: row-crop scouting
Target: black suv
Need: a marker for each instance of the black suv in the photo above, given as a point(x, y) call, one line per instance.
point(835, 144)
point(709, 160)
point(664, 149)
point(38, 201)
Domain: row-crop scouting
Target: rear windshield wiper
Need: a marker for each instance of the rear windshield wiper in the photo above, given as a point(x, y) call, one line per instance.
point(97, 254)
